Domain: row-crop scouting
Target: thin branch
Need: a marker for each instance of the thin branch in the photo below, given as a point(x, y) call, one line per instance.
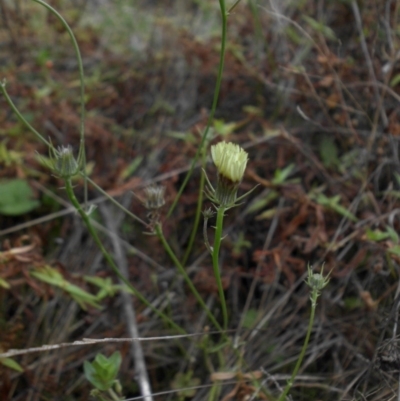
point(91, 341)
point(129, 311)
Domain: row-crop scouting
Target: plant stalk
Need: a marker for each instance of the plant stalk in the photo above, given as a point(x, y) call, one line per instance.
point(290, 382)
point(215, 259)
point(186, 277)
point(224, 16)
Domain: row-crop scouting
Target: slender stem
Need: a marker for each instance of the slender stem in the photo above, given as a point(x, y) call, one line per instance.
point(82, 87)
point(20, 116)
point(234, 5)
point(303, 350)
point(93, 233)
point(215, 259)
point(80, 64)
point(113, 395)
point(198, 213)
point(116, 203)
point(213, 107)
point(182, 271)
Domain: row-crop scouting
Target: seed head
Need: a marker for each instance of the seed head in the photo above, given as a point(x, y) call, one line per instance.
point(154, 198)
point(63, 163)
point(316, 281)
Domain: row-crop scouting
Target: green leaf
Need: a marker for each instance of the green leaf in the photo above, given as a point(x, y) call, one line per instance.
point(395, 80)
point(328, 152)
point(92, 377)
point(224, 128)
point(250, 318)
point(333, 203)
point(102, 372)
point(259, 204)
point(188, 137)
point(182, 383)
point(392, 234)
point(395, 250)
point(267, 214)
point(376, 235)
point(10, 363)
point(4, 284)
point(107, 288)
point(16, 198)
point(54, 277)
point(280, 176)
point(132, 167)
point(320, 27)
point(352, 303)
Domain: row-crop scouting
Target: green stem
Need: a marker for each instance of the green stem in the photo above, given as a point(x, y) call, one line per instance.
point(113, 395)
point(116, 203)
point(82, 87)
point(213, 107)
point(182, 271)
point(20, 116)
point(93, 233)
point(215, 259)
point(303, 350)
point(80, 64)
point(198, 213)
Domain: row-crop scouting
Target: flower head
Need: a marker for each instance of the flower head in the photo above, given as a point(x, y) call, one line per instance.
point(317, 282)
point(154, 197)
point(153, 201)
point(230, 160)
point(63, 163)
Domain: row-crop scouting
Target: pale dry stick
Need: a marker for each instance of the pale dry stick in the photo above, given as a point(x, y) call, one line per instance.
point(112, 222)
point(267, 243)
point(91, 341)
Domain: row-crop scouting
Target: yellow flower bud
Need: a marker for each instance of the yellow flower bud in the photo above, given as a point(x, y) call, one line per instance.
point(230, 160)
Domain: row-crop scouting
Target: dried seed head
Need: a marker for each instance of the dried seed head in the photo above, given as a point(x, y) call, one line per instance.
point(154, 197)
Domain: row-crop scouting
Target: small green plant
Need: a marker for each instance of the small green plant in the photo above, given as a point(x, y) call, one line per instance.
point(317, 282)
point(53, 277)
point(184, 383)
point(333, 203)
point(230, 160)
point(102, 374)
